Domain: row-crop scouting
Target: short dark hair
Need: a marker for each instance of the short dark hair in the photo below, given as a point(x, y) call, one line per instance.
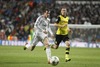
point(63, 7)
point(45, 9)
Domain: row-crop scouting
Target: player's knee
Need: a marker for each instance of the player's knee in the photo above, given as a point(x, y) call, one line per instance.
point(46, 41)
point(46, 44)
point(56, 47)
point(67, 43)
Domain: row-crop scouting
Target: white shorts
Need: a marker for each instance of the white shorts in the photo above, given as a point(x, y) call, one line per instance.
point(39, 36)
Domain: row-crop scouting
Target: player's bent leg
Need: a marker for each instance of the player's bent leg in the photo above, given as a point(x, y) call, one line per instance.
point(34, 42)
point(54, 46)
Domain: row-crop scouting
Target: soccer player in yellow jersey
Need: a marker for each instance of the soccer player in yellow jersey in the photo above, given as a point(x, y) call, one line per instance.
point(62, 32)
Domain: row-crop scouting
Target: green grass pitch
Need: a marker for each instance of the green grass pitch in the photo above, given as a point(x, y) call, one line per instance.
point(15, 56)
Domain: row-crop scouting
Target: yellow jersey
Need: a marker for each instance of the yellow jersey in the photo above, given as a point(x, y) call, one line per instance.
point(62, 21)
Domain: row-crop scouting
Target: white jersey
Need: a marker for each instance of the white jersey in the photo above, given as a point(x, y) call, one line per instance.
point(42, 24)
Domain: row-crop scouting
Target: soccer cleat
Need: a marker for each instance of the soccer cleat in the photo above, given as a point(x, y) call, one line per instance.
point(32, 48)
point(44, 48)
point(48, 62)
point(25, 48)
point(67, 60)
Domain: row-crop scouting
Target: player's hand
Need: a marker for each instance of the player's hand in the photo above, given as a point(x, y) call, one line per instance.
point(63, 25)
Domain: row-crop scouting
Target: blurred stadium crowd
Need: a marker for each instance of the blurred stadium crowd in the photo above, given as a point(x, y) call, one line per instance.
point(20, 15)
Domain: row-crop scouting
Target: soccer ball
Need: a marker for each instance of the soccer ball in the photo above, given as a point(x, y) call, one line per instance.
point(54, 60)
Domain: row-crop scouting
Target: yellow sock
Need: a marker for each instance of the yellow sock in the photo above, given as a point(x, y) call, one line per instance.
point(67, 53)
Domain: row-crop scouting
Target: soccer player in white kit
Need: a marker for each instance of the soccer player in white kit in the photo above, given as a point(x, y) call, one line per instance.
point(42, 29)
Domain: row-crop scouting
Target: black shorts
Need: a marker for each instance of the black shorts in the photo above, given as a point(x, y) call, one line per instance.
point(60, 38)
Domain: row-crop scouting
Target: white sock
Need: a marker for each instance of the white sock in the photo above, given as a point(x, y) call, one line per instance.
point(48, 53)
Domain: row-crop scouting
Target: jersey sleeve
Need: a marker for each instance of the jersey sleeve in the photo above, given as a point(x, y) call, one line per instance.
point(50, 31)
point(58, 19)
point(37, 23)
point(69, 20)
